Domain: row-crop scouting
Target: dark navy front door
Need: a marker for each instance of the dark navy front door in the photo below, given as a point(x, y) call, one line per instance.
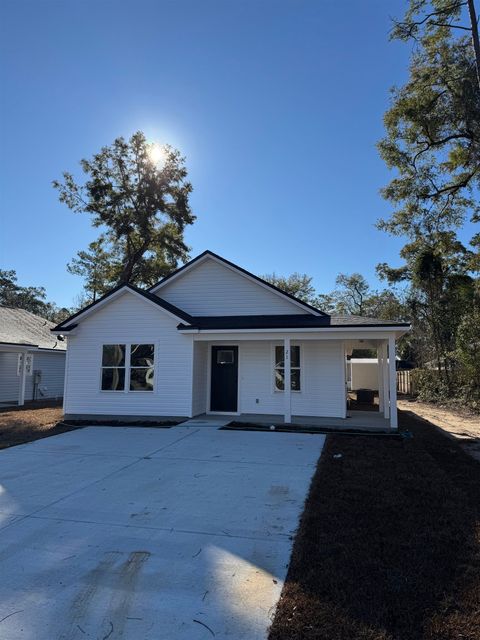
point(224, 379)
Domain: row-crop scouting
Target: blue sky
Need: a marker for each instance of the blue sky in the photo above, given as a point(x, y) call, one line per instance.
point(276, 104)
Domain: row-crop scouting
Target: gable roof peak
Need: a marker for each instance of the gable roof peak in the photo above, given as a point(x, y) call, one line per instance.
point(208, 253)
point(66, 325)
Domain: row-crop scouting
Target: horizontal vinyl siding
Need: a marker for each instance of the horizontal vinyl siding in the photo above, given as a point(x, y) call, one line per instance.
point(9, 381)
point(129, 319)
point(322, 383)
point(52, 366)
point(212, 289)
point(200, 359)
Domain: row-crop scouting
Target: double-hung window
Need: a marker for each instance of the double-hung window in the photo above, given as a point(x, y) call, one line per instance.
point(113, 367)
point(128, 366)
point(142, 369)
point(294, 368)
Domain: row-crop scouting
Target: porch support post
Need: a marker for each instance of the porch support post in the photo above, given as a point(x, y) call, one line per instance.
point(23, 377)
point(386, 404)
point(380, 378)
point(393, 382)
point(287, 381)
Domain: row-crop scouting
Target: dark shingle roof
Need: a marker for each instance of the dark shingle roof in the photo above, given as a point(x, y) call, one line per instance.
point(299, 321)
point(21, 327)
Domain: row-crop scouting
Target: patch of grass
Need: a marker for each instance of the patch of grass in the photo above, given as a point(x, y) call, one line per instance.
point(388, 546)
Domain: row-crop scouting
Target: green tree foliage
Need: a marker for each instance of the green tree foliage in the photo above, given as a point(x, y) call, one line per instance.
point(354, 296)
point(137, 194)
point(351, 294)
point(94, 267)
point(433, 124)
point(31, 299)
point(468, 354)
point(440, 291)
point(296, 284)
point(433, 142)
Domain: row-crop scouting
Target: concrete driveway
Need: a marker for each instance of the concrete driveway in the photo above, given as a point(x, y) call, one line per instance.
point(149, 534)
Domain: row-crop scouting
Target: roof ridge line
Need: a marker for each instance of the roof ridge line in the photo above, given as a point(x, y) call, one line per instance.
point(242, 270)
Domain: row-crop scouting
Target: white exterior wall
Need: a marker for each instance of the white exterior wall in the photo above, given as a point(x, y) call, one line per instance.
point(129, 319)
point(364, 375)
point(213, 289)
point(200, 374)
point(322, 379)
point(9, 381)
point(52, 366)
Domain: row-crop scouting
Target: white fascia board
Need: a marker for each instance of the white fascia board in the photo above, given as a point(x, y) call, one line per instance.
point(23, 348)
point(17, 348)
point(361, 330)
point(63, 332)
point(299, 334)
point(187, 268)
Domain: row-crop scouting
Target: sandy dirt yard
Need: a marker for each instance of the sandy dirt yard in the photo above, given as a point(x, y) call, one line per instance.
point(30, 422)
point(464, 427)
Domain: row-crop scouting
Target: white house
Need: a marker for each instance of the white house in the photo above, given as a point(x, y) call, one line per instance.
point(32, 360)
point(214, 338)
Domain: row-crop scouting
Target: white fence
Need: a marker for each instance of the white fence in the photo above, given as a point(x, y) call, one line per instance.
point(405, 382)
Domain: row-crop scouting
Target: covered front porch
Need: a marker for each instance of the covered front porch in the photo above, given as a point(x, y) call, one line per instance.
point(311, 367)
point(356, 420)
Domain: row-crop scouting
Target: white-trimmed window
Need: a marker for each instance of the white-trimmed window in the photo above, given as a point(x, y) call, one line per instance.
point(128, 366)
point(113, 367)
point(142, 367)
point(295, 368)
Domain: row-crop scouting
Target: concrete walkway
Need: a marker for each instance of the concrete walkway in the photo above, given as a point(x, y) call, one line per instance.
point(149, 534)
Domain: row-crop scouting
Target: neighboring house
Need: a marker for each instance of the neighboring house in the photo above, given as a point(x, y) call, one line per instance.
point(214, 338)
point(32, 359)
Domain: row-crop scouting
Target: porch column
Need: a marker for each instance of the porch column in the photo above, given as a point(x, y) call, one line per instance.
point(386, 404)
point(23, 377)
point(381, 393)
point(287, 380)
point(393, 382)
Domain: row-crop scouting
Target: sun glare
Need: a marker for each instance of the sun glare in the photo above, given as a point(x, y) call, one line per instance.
point(156, 154)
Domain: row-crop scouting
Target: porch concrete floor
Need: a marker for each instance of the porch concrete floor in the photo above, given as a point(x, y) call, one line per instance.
point(356, 420)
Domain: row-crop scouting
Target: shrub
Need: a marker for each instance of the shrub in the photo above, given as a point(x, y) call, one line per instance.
point(428, 385)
